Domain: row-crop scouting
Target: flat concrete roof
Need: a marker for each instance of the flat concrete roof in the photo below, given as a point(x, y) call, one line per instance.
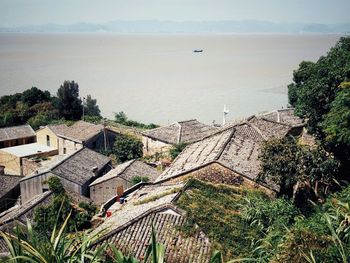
point(27, 149)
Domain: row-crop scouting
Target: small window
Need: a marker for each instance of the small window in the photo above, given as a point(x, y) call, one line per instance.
point(47, 140)
point(64, 150)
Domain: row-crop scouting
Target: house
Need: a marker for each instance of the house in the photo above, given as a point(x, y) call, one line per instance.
point(48, 135)
point(130, 225)
point(83, 134)
point(76, 172)
point(16, 135)
point(13, 158)
point(163, 138)
point(118, 179)
point(230, 156)
point(9, 190)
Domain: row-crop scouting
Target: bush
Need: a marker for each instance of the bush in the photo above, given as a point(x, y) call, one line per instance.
point(127, 148)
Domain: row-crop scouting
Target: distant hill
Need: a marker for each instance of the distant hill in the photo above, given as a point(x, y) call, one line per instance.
point(155, 26)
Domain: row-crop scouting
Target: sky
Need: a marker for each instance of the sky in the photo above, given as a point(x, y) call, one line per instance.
point(34, 12)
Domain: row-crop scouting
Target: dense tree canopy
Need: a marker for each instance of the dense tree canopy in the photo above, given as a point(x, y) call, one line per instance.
point(316, 95)
point(91, 107)
point(69, 104)
point(127, 148)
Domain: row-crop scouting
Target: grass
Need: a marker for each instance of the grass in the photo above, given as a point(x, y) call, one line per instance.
point(156, 197)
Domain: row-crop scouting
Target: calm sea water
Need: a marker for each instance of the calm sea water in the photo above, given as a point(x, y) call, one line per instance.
point(159, 78)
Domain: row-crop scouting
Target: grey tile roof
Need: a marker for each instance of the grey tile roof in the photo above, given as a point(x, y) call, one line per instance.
point(235, 147)
point(77, 167)
point(16, 132)
point(135, 236)
point(81, 131)
point(26, 209)
point(182, 131)
point(8, 182)
point(128, 170)
point(58, 129)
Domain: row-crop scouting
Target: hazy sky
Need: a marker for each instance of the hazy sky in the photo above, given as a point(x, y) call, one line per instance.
point(29, 12)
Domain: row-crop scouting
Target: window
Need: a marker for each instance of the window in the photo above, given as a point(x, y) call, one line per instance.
point(64, 150)
point(47, 140)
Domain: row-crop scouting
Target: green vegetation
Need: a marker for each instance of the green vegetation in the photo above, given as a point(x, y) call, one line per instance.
point(121, 118)
point(45, 217)
point(91, 108)
point(300, 172)
point(318, 94)
point(127, 147)
point(156, 197)
point(37, 107)
point(138, 179)
point(248, 225)
point(177, 149)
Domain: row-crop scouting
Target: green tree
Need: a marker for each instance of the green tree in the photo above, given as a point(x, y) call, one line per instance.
point(34, 96)
point(91, 107)
point(177, 149)
point(127, 147)
point(336, 124)
point(296, 168)
point(69, 104)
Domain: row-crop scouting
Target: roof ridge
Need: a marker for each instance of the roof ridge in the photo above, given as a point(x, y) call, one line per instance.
point(150, 211)
point(217, 157)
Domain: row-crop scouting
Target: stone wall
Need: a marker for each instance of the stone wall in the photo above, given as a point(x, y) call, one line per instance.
point(218, 174)
point(29, 166)
point(151, 147)
point(102, 192)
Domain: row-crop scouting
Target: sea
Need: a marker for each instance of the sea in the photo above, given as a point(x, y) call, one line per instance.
point(159, 78)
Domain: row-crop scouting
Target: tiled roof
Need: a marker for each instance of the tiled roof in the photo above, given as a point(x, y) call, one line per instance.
point(8, 182)
point(58, 129)
point(183, 131)
point(135, 236)
point(81, 131)
point(78, 167)
point(16, 132)
point(26, 209)
point(128, 170)
point(235, 147)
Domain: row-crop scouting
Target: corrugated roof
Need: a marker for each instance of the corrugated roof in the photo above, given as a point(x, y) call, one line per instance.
point(16, 132)
point(182, 131)
point(128, 170)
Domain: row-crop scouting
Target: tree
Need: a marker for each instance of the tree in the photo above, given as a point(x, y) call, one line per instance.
point(297, 169)
point(91, 107)
point(127, 147)
point(69, 104)
point(336, 124)
point(177, 149)
point(34, 96)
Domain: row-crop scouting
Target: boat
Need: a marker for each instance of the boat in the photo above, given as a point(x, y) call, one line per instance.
point(198, 50)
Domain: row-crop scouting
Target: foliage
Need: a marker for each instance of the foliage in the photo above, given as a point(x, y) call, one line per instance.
point(69, 104)
point(121, 118)
point(315, 95)
point(91, 108)
point(336, 124)
point(138, 179)
point(127, 147)
point(156, 197)
point(177, 149)
point(45, 217)
point(297, 169)
point(155, 250)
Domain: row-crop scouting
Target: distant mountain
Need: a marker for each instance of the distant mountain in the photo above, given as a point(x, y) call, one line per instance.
point(155, 26)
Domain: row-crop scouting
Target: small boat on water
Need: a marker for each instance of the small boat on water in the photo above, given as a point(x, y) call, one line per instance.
point(198, 50)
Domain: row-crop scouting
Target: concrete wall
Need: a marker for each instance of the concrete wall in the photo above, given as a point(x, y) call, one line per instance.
point(151, 147)
point(95, 143)
point(102, 192)
point(41, 137)
point(11, 162)
point(217, 174)
point(35, 185)
point(66, 146)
